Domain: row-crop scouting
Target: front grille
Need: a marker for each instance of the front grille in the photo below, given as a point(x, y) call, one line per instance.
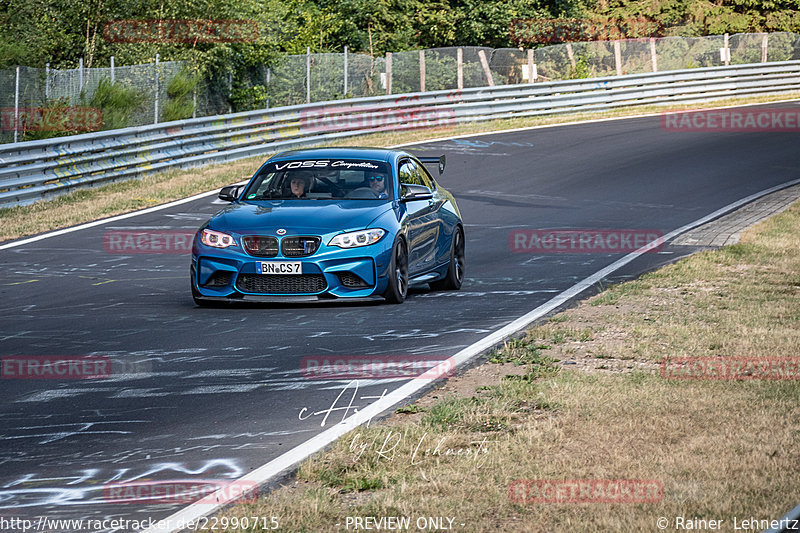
point(281, 284)
point(299, 246)
point(220, 278)
point(260, 246)
point(352, 281)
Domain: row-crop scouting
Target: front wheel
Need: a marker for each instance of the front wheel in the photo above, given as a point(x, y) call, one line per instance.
point(455, 271)
point(398, 274)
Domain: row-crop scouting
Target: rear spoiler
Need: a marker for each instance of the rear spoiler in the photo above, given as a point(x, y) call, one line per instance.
point(441, 160)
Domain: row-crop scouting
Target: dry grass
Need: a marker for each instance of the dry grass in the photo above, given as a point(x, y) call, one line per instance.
point(722, 450)
point(91, 204)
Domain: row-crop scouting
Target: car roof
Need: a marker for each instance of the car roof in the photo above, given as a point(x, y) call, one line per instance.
point(349, 152)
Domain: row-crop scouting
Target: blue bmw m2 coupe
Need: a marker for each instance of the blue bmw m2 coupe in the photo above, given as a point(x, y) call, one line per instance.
point(331, 223)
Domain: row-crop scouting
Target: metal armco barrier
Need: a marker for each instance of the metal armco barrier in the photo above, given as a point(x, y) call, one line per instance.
point(34, 170)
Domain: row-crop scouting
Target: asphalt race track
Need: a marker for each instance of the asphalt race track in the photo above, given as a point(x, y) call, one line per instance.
point(212, 393)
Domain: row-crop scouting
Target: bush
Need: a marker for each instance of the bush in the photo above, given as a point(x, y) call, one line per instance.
point(116, 102)
point(180, 103)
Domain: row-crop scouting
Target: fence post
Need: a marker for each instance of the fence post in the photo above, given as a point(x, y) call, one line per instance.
point(112, 69)
point(726, 52)
point(345, 72)
point(230, 92)
point(422, 71)
point(308, 74)
point(155, 107)
point(80, 75)
point(388, 73)
point(532, 74)
point(653, 58)
point(460, 63)
point(47, 82)
point(269, 75)
point(618, 58)
point(485, 65)
point(16, 106)
point(764, 41)
point(571, 56)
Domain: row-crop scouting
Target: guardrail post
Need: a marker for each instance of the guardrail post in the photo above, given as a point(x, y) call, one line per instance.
point(112, 69)
point(16, 106)
point(485, 65)
point(345, 72)
point(308, 74)
point(460, 63)
point(388, 73)
point(653, 58)
point(422, 71)
point(764, 41)
point(617, 58)
point(155, 107)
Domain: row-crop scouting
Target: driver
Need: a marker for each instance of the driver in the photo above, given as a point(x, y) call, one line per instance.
point(377, 182)
point(299, 183)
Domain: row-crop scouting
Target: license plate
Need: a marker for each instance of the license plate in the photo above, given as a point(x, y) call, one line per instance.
point(279, 267)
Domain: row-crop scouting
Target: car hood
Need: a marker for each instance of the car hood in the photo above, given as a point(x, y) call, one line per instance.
point(298, 216)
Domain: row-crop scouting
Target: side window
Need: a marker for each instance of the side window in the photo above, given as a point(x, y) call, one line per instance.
point(408, 173)
point(425, 177)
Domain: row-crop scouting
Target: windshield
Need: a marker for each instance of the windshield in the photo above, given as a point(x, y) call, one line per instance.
point(322, 179)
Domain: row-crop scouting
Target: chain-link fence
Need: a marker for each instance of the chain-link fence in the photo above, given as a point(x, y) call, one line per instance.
point(299, 79)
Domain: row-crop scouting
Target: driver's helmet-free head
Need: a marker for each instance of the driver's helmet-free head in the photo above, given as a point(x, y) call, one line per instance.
point(306, 175)
point(376, 180)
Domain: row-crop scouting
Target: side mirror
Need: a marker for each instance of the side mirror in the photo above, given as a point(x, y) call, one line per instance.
point(415, 192)
point(230, 193)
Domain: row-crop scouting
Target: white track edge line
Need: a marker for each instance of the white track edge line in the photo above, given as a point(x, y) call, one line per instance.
point(437, 139)
point(264, 473)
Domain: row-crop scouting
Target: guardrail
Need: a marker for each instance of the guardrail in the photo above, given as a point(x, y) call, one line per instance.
point(35, 170)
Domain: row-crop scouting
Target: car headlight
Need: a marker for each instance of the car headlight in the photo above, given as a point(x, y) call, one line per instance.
point(217, 239)
point(353, 239)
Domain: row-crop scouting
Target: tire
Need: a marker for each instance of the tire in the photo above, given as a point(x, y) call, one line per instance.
point(398, 274)
point(455, 270)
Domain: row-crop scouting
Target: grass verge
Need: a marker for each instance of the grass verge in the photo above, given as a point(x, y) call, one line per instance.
point(86, 205)
point(580, 397)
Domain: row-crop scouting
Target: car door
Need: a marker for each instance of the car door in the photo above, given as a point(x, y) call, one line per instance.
point(436, 246)
point(416, 211)
point(423, 228)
